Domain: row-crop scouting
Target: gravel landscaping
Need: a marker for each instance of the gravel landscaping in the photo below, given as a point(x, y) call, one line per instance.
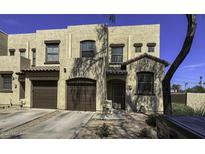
point(132, 126)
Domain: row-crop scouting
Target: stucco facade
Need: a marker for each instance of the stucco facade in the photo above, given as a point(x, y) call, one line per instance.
point(73, 66)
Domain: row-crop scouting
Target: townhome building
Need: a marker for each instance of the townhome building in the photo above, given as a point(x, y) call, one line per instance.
point(82, 67)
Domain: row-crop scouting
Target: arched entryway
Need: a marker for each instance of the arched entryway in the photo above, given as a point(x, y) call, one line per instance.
point(116, 93)
point(81, 94)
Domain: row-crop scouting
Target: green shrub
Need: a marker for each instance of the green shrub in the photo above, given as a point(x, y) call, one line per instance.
point(181, 109)
point(104, 131)
point(151, 120)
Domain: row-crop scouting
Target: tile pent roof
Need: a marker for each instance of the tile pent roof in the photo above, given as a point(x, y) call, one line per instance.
point(41, 68)
point(115, 71)
point(145, 55)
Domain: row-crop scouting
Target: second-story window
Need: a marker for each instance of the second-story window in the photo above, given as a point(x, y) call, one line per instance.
point(12, 52)
point(52, 51)
point(138, 47)
point(151, 47)
point(22, 52)
point(34, 57)
point(87, 48)
point(116, 53)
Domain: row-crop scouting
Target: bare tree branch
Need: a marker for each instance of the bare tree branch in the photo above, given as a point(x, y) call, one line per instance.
point(191, 28)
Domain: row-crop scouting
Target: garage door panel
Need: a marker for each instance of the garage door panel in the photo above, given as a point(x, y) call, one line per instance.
point(81, 95)
point(45, 94)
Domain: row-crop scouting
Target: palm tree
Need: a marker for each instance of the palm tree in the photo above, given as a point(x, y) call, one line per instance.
point(191, 28)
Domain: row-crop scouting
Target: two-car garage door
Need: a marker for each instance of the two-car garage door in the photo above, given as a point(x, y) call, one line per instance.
point(81, 95)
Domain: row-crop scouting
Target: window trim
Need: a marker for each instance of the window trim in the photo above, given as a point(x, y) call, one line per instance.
point(81, 51)
point(51, 42)
point(152, 93)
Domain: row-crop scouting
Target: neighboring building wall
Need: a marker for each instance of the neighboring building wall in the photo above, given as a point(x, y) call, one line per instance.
point(22, 41)
point(129, 35)
point(153, 103)
point(11, 63)
point(196, 100)
point(3, 43)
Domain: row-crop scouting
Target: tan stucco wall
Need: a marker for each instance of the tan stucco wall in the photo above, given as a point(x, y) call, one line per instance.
point(44, 35)
point(129, 35)
point(196, 100)
point(3, 43)
point(152, 103)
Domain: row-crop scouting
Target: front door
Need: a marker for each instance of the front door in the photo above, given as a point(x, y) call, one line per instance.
point(118, 96)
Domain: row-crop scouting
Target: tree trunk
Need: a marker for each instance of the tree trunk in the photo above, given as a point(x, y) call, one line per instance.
point(191, 28)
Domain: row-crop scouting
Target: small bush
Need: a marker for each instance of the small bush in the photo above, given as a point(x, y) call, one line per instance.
point(151, 120)
point(104, 131)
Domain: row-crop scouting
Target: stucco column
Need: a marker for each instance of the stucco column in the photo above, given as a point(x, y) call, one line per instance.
point(69, 45)
point(28, 93)
point(61, 99)
point(128, 47)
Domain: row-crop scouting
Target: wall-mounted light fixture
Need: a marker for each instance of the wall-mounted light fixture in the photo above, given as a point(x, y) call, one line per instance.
point(64, 70)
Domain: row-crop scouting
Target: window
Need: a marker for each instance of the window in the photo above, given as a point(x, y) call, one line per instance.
point(34, 57)
point(117, 53)
point(145, 83)
point(12, 52)
point(22, 52)
point(7, 82)
point(52, 52)
point(87, 48)
point(138, 47)
point(151, 47)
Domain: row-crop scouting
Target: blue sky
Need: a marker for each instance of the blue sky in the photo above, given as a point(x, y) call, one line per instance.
point(173, 30)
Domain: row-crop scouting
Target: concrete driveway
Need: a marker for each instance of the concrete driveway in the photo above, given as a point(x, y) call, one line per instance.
point(63, 124)
point(12, 118)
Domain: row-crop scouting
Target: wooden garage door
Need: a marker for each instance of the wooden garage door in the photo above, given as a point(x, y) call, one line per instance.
point(45, 94)
point(81, 95)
